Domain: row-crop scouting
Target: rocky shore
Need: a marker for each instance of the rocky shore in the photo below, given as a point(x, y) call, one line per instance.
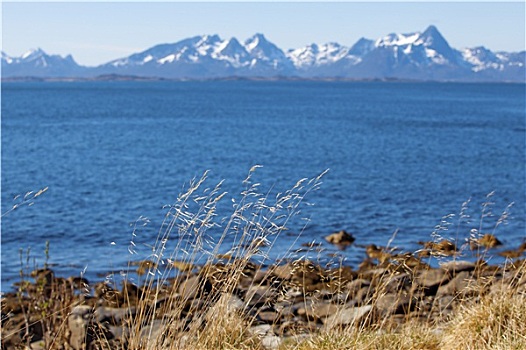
point(262, 307)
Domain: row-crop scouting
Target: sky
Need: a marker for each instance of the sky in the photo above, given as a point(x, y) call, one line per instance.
point(97, 32)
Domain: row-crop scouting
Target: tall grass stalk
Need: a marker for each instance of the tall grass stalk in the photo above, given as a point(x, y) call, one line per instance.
point(191, 226)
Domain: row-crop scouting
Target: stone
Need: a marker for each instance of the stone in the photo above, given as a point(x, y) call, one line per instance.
point(262, 277)
point(269, 316)
point(364, 295)
point(325, 310)
point(183, 266)
point(396, 283)
point(511, 254)
point(194, 287)
point(153, 335)
point(259, 295)
point(443, 247)
point(455, 266)
point(271, 342)
point(445, 302)
point(319, 310)
point(43, 276)
point(296, 327)
point(354, 286)
point(388, 304)
point(78, 323)
point(282, 271)
point(348, 317)
point(144, 266)
point(342, 238)
point(261, 330)
point(120, 332)
point(102, 288)
point(487, 241)
point(432, 278)
point(458, 285)
point(375, 252)
point(112, 315)
point(38, 345)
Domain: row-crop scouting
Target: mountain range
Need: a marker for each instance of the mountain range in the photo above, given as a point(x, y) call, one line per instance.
point(415, 56)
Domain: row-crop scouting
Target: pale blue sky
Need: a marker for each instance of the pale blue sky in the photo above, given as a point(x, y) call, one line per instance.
point(98, 32)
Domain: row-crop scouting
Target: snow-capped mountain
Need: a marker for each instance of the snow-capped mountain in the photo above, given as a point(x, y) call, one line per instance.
point(206, 56)
point(267, 57)
point(420, 56)
point(38, 63)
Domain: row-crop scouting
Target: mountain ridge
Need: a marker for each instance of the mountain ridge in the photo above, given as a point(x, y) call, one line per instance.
point(417, 56)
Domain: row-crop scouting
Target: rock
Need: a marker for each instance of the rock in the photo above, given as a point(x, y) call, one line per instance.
point(153, 335)
point(282, 271)
point(78, 323)
point(342, 275)
point(514, 253)
point(101, 289)
point(296, 327)
point(271, 342)
point(377, 253)
point(396, 283)
point(325, 310)
point(112, 315)
point(444, 248)
point(388, 304)
point(260, 295)
point(375, 273)
point(319, 310)
point(340, 238)
point(43, 276)
point(348, 317)
point(445, 302)
point(269, 316)
point(183, 266)
point(431, 278)
point(38, 345)
point(366, 265)
point(232, 303)
point(487, 241)
point(453, 267)
point(261, 330)
point(458, 285)
point(262, 277)
point(511, 254)
point(120, 332)
point(364, 295)
point(131, 291)
point(409, 261)
point(194, 287)
point(303, 273)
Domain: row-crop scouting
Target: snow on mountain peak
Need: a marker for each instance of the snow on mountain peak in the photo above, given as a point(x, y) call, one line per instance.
point(398, 40)
point(209, 40)
point(318, 55)
point(256, 40)
point(6, 58)
point(33, 53)
point(232, 47)
point(414, 55)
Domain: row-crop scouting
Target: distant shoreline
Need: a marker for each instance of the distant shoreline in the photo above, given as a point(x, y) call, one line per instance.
point(117, 77)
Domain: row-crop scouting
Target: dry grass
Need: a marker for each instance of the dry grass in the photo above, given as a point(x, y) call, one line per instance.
point(249, 233)
point(410, 336)
point(498, 321)
point(190, 258)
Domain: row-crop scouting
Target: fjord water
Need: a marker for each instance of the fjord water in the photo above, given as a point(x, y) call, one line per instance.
point(401, 156)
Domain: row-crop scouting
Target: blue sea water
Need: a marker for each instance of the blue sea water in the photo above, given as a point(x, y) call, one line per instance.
point(401, 157)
